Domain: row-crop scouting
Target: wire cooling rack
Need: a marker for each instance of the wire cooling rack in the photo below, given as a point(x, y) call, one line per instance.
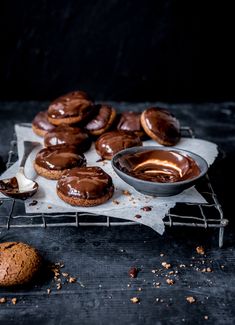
point(201, 215)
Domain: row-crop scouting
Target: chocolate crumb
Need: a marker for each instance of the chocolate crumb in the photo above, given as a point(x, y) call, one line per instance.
point(135, 300)
point(138, 216)
point(190, 299)
point(116, 202)
point(34, 202)
point(133, 272)
point(3, 300)
point(200, 250)
point(146, 209)
point(14, 301)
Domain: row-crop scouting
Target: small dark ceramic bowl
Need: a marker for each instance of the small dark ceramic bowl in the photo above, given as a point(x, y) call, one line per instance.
point(156, 188)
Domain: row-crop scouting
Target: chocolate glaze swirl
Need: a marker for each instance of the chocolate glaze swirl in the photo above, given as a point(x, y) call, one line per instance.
point(60, 157)
point(159, 166)
point(76, 103)
point(65, 134)
point(85, 183)
point(112, 142)
point(41, 122)
point(101, 119)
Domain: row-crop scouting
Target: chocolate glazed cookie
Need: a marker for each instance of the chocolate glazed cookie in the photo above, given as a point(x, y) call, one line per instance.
point(161, 126)
point(130, 121)
point(71, 108)
point(102, 121)
point(112, 142)
point(85, 186)
point(41, 125)
point(65, 134)
point(51, 162)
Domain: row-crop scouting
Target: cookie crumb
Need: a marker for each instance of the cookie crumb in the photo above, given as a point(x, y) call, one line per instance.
point(14, 301)
point(170, 282)
point(139, 289)
point(161, 254)
point(128, 285)
point(191, 299)
point(48, 291)
point(65, 274)
point(72, 280)
point(206, 317)
point(58, 286)
point(166, 265)
point(135, 300)
point(200, 250)
point(49, 207)
point(125, 192)
point(3, 300)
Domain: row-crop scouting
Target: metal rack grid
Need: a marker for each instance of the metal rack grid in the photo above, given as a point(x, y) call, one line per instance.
point(201, 215)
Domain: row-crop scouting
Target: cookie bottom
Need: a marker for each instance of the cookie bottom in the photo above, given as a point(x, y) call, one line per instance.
point(86, 202)
point(39, 132)
point(66, 120)
point(49, 174)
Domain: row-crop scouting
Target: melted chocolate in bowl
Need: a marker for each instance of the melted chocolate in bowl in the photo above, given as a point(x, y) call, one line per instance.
point(159, 166)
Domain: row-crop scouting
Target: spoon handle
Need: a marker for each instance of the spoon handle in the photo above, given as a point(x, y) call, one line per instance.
point(28, 147)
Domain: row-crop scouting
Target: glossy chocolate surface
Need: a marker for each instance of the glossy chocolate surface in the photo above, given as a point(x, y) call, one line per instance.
point(112, 142)
point(60, 157)
point(163, 124)
point(10, 187)
point(65, 134)
point(41, 122)
point(159, 166)
point(85, 183)
point(101, 119)
point(76, 103)
point(130, 121)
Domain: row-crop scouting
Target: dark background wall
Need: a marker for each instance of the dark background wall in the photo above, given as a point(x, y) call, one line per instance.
point(117, 49)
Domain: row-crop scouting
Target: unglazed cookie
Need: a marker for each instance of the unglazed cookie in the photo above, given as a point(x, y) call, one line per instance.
point(130, 121)
point(41, 125)
point(161, 126)
point(71, 108)
point(109, 143)
point(19, 263)
point(102, 121)
point(65, 134)
point(52, 161)
point(85, 186)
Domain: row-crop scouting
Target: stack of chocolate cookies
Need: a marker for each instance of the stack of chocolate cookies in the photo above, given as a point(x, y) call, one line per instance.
point(70, 125)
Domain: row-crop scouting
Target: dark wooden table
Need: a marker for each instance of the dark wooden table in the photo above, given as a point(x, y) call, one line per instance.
point(101, 257)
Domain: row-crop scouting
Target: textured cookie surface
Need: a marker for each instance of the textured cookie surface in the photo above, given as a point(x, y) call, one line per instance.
point(19, 263)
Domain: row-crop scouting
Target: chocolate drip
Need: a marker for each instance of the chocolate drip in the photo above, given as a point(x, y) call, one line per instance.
point(159, 166)
point(60, 157)
point(112, 142)
point(85, 183)
point(76, 103)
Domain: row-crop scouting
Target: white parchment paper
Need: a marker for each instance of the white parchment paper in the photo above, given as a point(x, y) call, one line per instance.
point(121, 206)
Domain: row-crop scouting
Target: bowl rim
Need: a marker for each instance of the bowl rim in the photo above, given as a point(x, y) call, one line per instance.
point(169, 184)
